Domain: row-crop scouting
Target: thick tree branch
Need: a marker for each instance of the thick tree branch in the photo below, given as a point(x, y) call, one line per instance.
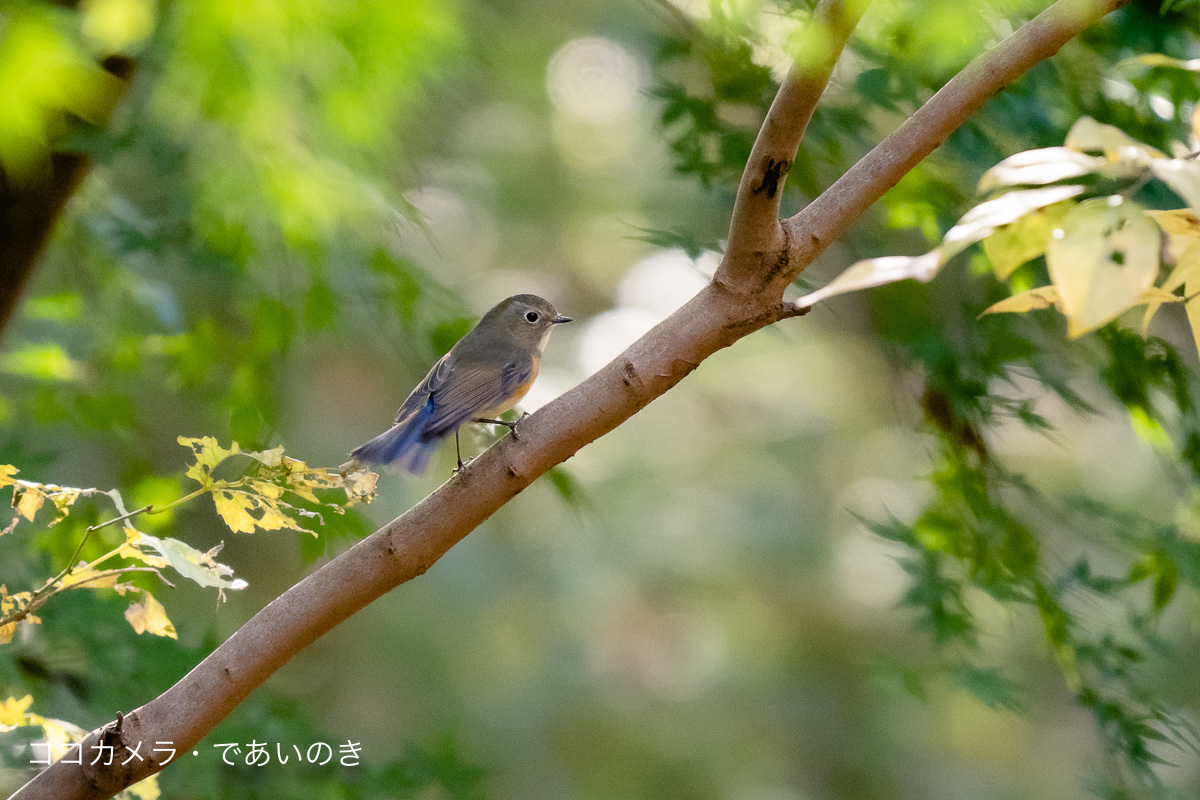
point(824, 220)
point(716, 318)
point(30, 209)
point(755, 234)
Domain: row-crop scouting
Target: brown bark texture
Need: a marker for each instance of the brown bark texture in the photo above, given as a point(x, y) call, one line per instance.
point(30, 207)
point(764, 256)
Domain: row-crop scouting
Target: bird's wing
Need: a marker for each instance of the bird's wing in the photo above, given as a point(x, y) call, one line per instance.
point(433, 381)
point(467, 391)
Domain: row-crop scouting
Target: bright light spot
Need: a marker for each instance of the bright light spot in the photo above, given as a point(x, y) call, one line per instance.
point(694, 8)
point(548, 386)
point(114, 25)
point(607, 335)
point(591, 148)
point(663, 282)
point(865, 571)
point(448, 231)
point(593, 79)
point(1119, 90)
point(1161, 106)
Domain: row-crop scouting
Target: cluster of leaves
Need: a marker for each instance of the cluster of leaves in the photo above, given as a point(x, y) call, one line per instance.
point(1081, 219)
point(57, 736)
point(1069, 210)
point(254, 501)
point(266, 153)
point(1102, 249)
point(969, 541)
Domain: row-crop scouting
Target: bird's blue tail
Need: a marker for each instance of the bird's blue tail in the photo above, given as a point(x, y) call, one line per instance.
point(404, 445)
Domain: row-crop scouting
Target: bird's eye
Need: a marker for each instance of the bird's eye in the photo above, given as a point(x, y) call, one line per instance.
point(531, 316)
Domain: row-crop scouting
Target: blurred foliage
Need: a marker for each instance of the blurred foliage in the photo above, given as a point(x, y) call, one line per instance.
point(987, 528)
point(290, 217)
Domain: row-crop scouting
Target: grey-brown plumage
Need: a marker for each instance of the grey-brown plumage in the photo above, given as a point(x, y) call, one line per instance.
point(485, 374)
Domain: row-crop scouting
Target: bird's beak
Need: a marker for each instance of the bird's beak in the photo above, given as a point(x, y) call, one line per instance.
point(561, 319)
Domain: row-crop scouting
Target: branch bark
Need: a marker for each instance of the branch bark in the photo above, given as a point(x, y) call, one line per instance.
point(29, 210)
point(728, 309)
point(829, 216)
point(755, 233)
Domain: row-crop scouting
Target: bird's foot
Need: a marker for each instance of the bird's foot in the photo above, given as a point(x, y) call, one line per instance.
point(512, 426)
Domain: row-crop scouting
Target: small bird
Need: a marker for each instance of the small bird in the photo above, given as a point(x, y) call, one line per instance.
point(485, 374)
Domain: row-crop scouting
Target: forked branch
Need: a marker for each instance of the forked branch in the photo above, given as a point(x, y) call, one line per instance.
point(754, 231)
point(718, 316)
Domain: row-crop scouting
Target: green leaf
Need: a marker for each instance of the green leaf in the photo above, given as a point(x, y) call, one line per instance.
point(989, 687)
point(686, 241)
point(47, 362)
point(446, 334)
point(182, 557)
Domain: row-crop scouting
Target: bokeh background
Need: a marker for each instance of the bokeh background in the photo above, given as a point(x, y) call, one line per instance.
point(297, 206)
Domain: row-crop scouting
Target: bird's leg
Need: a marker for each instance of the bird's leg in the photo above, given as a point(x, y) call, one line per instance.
point(458, 452)
point(512, 426)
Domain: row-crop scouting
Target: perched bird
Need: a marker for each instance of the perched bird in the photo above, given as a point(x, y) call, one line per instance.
point(485, 374)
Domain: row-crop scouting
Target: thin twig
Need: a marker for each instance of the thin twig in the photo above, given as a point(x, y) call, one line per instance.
point(127, 515)
point(824, 220)
point(50, 590)
point(405, 548)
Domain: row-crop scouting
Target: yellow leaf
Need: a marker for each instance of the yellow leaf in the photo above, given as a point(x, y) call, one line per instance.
point(1187, 267)
point(208, 455)
point(877, 272)
point(27, 499)
point(148, 616)
point(63, 497)
point(1039, 167)
point(303, 481)
point(986, 217)
point(1182, 175)
point(360, 485)
point(88, 577)
point(1102, 260)
point(6, 632)
point(59, 735)
point(133, 548)
point(271, 458)
point(12, 710)
point(1032, 300)
point(142, 790)
point(116, 25)
point(1159, 60)
point(1012, 245)
point(6, 473)
point(11, 602)
point(1087, 135)
point(266, 489)
point(1192, 307)
point(1182, 227)
point(236, 508)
